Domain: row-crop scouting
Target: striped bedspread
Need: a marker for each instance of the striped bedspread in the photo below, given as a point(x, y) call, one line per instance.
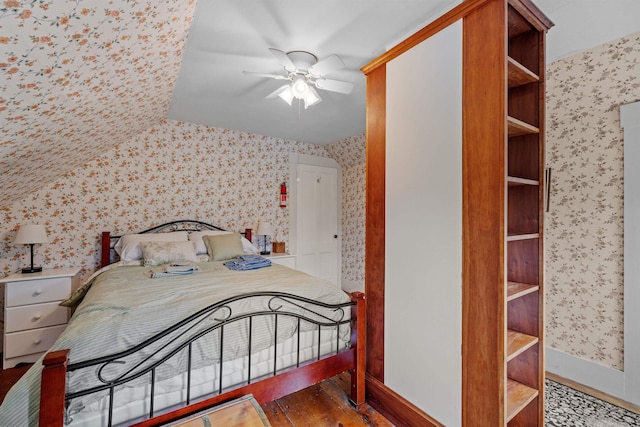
point(125, 305)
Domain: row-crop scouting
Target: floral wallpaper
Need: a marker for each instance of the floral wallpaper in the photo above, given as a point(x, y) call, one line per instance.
point(173, 171)
point(350, 153)
point(80, 77)
point(584, 226)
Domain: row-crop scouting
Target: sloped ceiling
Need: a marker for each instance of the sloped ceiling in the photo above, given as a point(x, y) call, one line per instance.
point(80, 77)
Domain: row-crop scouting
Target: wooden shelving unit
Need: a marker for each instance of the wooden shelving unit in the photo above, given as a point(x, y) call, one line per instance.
point(503, 75)
point(518, 342)
point(518, 127)
point(517, 290)
point(524, 364)
point(517, 75)
point(513, 181)
point(520, 397)
point(503, 295)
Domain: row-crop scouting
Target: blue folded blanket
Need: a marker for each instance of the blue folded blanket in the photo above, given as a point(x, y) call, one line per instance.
point(247, 262)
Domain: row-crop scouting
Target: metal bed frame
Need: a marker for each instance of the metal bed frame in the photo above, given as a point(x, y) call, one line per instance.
point(213, 320)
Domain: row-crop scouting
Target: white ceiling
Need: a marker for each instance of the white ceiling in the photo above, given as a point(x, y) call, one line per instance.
point(231, 36)
point(582, 24)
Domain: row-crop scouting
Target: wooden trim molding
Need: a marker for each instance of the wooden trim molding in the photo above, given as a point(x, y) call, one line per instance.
point(394, 407)
point(483, 272)
point(531, 13)
point(375, 219)
point(434, 27)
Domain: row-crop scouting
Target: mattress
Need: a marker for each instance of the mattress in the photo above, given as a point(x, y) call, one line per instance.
point(125, 306)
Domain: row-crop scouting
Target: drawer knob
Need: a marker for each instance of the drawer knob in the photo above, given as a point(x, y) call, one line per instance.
point(38, 341)
point(36, 318)
point(37, 292)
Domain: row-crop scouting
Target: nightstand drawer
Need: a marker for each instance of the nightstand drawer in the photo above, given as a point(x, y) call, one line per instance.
point(37, 291)
point(33, 341)
point(35, 316)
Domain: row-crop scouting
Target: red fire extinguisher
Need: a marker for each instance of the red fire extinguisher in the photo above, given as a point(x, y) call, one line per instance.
point(283, 195)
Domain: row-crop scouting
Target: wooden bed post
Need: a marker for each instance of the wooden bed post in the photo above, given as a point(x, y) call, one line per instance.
point(358, 338)
point(54, 378)
point(105, 251)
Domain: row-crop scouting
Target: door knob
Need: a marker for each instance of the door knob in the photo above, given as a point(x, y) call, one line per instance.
point(335, 236)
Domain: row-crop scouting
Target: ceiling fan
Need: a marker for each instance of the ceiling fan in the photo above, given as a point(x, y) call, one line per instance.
point(304, 72)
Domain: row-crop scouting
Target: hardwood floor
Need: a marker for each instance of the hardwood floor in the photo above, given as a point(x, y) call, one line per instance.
point(8, 377)
point(324, 404)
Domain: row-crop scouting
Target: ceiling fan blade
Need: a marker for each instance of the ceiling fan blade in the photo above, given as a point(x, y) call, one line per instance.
point(334, 86)
point(277, 92)
point(327, 65)
point(284, 59)
point(271, 76)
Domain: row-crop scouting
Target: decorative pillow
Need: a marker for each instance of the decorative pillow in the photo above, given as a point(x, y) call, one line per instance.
point(223, 246)
point(128, 246)
point(197, 236)
point(201, 248)
point(156, 253)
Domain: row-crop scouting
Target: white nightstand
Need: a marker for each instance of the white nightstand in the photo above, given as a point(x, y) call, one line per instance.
point(283, 259)
point(33, 320)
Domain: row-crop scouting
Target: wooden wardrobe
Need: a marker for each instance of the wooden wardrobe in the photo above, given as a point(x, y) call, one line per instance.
point(454, 222)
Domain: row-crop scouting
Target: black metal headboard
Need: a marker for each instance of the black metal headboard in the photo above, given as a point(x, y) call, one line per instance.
point(189, 225)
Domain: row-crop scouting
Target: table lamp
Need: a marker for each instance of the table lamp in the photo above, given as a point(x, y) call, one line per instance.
point(264, 229)
point(30, 235)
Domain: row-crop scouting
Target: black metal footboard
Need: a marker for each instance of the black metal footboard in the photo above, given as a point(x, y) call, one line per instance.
point(236, 327)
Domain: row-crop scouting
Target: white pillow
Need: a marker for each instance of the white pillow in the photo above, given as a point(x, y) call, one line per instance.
point(128, 246)
point(158, 253)
point(201, 248)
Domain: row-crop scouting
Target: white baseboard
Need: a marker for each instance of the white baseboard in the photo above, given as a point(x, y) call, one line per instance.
point(591, 374)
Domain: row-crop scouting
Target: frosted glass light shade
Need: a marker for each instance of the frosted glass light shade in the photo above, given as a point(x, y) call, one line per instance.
point(31, 233)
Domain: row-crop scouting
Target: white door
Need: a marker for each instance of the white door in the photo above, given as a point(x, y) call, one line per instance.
point(317, 222)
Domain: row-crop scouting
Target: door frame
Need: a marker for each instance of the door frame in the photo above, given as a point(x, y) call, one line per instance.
point(296, 159)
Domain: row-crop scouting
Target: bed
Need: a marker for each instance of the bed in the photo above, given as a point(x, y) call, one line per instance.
point(148, 350)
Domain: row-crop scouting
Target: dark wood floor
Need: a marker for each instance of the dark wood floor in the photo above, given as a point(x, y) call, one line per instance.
point(324, 404)
point(8, 377)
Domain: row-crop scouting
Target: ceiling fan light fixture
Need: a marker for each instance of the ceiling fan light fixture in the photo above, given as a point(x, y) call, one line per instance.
point(286, 95)
point(305, 73)
point(311, 97)
point(299, 87)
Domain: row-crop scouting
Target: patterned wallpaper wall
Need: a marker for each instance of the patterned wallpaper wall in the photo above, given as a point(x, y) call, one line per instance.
point(350, 153)
point(79, 77)
point(174, 171)
point(584, 227)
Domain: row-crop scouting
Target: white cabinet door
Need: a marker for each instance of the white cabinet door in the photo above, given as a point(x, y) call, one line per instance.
point(317, 209)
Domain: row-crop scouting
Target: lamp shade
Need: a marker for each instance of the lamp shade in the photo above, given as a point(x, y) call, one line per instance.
point(264, 229)
point(31, 233)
